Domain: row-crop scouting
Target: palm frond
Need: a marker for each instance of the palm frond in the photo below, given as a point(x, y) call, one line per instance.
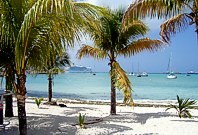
point(140, 45)
point(70, 16)
point(87, 50)
point(153, 8)
point(173, 25)
point(133, 30)
point(172, 106)
point(183, 106)
point(122, 82)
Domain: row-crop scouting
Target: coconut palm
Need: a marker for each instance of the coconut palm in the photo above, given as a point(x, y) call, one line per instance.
point(54, 66)
point(7, 66)
point(116, 40)
point(181, 13)
point(29, 24)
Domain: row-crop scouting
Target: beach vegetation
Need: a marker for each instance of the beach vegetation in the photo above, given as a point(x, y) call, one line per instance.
point(183, 107)
point(116, 40)
point(81, 120)
point(38, 101)
point(30, 24)
point(179, 14)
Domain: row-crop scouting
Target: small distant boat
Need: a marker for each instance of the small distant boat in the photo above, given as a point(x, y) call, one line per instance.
point(131, 74)
point(192, 72)
point(144, 74)
point(171, 74)
point(139, 75)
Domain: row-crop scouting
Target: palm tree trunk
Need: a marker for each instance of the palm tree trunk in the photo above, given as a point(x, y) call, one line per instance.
point(50, 88)
point(113, 93)
point(8, 99)
point(8, 106)
point(21, 92)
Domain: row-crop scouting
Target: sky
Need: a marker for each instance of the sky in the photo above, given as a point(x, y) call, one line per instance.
point(183, 47)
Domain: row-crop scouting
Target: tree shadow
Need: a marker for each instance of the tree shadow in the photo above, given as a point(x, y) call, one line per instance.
point(46, 125)
point(49, 124)
point(143, 117)
point(185, 120)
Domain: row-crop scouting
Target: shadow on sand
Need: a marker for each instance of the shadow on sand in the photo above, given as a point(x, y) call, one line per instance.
point(40, 124)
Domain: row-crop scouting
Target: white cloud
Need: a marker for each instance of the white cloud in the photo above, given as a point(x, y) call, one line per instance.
point(113, 4)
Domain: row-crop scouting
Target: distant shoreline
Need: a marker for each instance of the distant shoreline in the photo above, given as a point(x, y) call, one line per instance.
point(137, 103)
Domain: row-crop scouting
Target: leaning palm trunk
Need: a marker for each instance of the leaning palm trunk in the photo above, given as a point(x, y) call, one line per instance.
point(113, 92)
point(8, 100)
point(21, 92)
point(50, 88)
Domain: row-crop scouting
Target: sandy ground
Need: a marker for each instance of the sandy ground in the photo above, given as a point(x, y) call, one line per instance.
point(56, 120)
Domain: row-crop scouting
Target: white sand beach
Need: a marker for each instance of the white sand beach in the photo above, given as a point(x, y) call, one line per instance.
point(56, 120)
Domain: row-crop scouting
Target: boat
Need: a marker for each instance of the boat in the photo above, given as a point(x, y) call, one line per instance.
point(80, 69)
point(131, 74)
point(192, 72)
point(171, 74)
point(138, 74)
point(144, 74)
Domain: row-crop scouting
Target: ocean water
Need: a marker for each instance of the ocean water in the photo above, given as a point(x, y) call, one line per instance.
point(86, 86)
point(89, 87)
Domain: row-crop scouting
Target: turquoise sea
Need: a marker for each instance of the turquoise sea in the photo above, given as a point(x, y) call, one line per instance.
point(97, 87)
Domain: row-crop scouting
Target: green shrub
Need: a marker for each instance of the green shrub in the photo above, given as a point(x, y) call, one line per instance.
point(81, 119)
point(38, 101)
point(183, 106)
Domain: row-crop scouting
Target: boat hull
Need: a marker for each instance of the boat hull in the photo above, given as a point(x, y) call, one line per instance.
point(171, 76)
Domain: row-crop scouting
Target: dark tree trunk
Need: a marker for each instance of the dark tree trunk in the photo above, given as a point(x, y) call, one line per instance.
point(8, 99)
point(9, 107)
point(113, 93)
point(50, 88)
point(113, 98)
point(21, 92)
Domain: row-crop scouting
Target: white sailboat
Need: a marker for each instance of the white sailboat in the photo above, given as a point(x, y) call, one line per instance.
point(138, 74)
point(171, 74)
point(132, 73)
point(144, 74)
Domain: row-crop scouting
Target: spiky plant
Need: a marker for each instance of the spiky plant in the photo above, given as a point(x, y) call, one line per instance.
point(81, 120)
point(183, 107)
point(38, 101)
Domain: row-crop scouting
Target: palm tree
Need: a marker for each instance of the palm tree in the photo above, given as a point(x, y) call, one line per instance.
point(29, 23)
point(7, 66)
point(115, 40)
point(54, 66)
point(181, 13)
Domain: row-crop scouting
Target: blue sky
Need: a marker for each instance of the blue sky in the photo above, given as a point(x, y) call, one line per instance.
point(184, 49)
